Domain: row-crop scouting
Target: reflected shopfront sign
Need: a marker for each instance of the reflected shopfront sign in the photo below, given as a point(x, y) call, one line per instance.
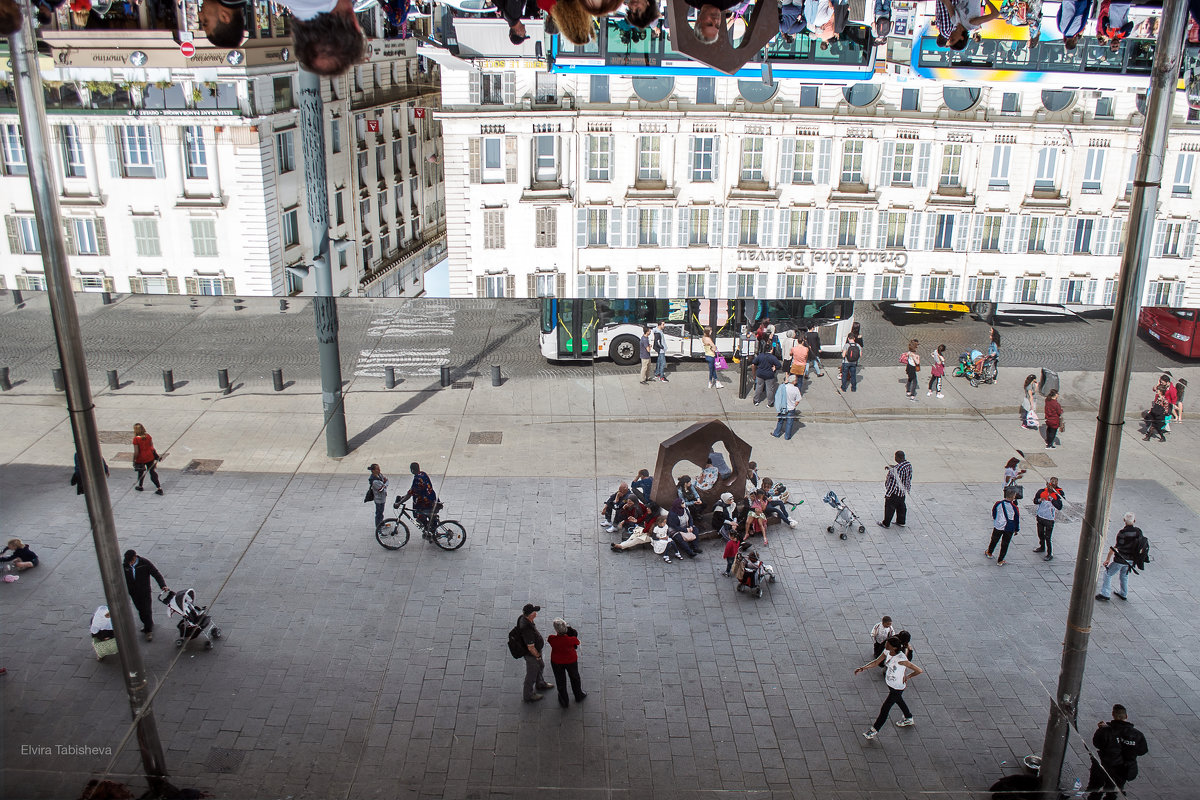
point(830, 258)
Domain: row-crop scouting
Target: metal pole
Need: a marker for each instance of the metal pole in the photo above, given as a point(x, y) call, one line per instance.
point(32, 109)
point(312, 137)
point(1064, 705)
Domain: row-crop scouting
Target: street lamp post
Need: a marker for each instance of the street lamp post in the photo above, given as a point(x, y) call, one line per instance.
point(1064, 706)
point(312, 141)
point(32, 109)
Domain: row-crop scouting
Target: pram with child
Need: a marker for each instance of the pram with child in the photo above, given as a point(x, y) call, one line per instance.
point(751, 574)
point(194, 621)
point(977, 368)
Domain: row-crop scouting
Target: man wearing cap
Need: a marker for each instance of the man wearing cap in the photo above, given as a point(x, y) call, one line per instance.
point(534, 665)
point(138, 572)
point(326, 33)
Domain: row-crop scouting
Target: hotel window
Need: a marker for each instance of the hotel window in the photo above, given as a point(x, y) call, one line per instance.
point(752, 159)
point(902, 162)
point(992, 225)
point(1047, 162)
point(597, 284)
point(810, 96)
point(697, 227)
point(647, 284)
point(493, 285)
point(649, 158)
point(1027, 290)
point(492, 89)
point(1182, 185)
point(86, 241)
point(493, 162)
point(545, 284)
point(339, 211)
point(704, 159)
point(748, 227)
point(1010, 103)
point(335, 134)
point(842, 286)
point(145, 237)
point(23, 235)
point(648, 227)
point(889, 287)
point(1036, 242)
point(1172, 239)
point(599, 158)
point(597, 227)
point(73, 161)
point(936, 287)
point(897, 222)
point(1070, 291)
point(706, 91)
point(14, 150)
point(546, 231)
point(195, 154)
point(493, 229)
point(793, 284)
point(803, 158)
point(944, 232)
point(204, 238)
point(1083, 235)
point(852, 157)
point(1093, 170)
point(847, 229)
point(212, 285)
point(952, 158)
point(695, 284)
point(798, 229)
point(1104, 107)
point(745, 284)
point(283, 93)
point(1001, 160)
point(137, 160)
point(545, 164)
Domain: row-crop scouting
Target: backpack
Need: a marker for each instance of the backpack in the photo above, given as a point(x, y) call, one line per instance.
point(853, 351)
point(516, 643)
point(1142, 554)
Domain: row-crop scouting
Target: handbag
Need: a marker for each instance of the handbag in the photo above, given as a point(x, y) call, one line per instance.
point(938, 370)
point(719, 362)
point(370, 495)
point(687, 535)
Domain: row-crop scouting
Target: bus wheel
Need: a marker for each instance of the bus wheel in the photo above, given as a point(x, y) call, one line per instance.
point(624, 350)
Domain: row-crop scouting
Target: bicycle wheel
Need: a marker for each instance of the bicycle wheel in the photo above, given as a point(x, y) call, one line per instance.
point(392, 533)
point(450, 535)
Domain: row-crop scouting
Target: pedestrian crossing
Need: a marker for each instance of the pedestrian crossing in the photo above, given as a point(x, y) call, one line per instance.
point(403, 337)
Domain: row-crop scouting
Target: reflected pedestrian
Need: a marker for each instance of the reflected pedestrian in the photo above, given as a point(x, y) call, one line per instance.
point(145, 459)
point(564, 660)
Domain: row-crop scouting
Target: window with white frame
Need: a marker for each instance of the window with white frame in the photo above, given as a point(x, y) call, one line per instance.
point(335, 135)
point(843, 286)
point(204, 238)
point(545, 284)
point(494, 285)
point(72, 147)
point(1046, 175)
point(1172, 239)
point(748, 225)
point(1083, 234)
point(936, 287)
point(902, 163)
point(137, 154)
point(1010, 103)
point(285, 144)
point(596, 284)
point(752, 159)
point(798, 228)
point(649, 158)
point(847, 229)
point(802, 161)
point(697, 227)
point(211, 285)
point(952, 159)
point(1181, 186)
point(1160, 293)
point(793, 284)
point(852, 157)
point(1070, 290)
point(889, 287)
point(597, 227)
point(546, 227)
point(291, 228)
point(704, 159)
point(1036, 242)
point(745, 283)
point(195, 156)
point(1093, 170)
point(86, 243)
point(27, 236)
point(14, 150)
point(992, 225)
point(1027, 290)
point(491, 87)
point(493, 160)
point(145, 237)
point(647, 227)
point(35, 282)
point(339, 209)
point(92, 283)
point(647, 284)
point(545, 159)
point(695, 283)
point(599, 158)
point(1001, 160)
point(897, 225)
point(493, 229)
point(943, 238)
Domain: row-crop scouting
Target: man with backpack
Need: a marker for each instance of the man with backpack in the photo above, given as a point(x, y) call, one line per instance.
point(1006, 523)
point(525, 642)
point(813, 339)
point(851, 353)
point(1118, 745)
point(1131, 552)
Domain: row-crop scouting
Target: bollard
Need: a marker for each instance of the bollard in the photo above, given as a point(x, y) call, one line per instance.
point(283, 306)
point(5, 383)
point(446, 376)
point(59, 383)
point(113, 381)
point(389, 377)
point(17, 298)
point(223, 381)
point(496, 378)
point(106, 298)
point(277, 379)
point(168, 380)
point(746, 381)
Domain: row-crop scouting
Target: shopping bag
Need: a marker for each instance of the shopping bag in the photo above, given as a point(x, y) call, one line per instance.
point(720, 363)
point(1031, 418)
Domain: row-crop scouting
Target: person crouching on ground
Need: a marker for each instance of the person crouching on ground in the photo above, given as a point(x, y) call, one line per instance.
point(21, 555)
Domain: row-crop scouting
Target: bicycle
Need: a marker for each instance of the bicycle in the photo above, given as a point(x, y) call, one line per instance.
point(447, 534)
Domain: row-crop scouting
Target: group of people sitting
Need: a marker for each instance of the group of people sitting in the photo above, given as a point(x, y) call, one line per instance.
point(827, 19)
point(675, 530)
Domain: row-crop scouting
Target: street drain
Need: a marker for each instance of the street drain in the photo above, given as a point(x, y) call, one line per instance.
point(224, 759)
point(203, 466)
point(485, 437)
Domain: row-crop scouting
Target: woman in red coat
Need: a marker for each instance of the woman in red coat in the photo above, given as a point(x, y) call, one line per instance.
point(564, 660)
point(1053, 412)
point(145, 458)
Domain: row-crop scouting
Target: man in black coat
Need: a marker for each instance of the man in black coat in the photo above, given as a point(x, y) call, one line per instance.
point(1118, 744)
point(513, 12)
point(138, 572)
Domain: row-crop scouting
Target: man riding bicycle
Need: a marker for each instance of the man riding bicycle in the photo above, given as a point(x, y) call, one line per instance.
point(422, 494)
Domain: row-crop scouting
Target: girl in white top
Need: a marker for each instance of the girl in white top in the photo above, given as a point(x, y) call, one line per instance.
point(1011, 473)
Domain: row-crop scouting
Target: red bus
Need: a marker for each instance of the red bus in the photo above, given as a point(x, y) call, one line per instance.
point(1173, 328)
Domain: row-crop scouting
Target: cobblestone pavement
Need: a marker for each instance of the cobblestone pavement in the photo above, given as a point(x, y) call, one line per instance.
point(141, 335)
point(351, 671)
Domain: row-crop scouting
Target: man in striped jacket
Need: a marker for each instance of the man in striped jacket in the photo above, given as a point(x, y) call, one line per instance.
point(896, 487)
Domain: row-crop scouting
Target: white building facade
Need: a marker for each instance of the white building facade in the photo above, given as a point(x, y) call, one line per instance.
point(180, 175)
point(607, 186)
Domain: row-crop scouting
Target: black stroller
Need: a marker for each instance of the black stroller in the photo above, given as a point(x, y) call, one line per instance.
point(194, 622)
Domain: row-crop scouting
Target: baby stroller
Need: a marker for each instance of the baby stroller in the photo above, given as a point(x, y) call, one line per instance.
point(977, 368)
point(751, 574)
point(845, 519)
point(193, 621)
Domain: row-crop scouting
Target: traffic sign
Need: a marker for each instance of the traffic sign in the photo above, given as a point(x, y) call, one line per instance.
point(188, 49)
point(419, 113)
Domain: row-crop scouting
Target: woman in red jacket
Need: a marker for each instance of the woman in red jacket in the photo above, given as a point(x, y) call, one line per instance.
point(564, 660)
point(1053, 411)
point(145, 458)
